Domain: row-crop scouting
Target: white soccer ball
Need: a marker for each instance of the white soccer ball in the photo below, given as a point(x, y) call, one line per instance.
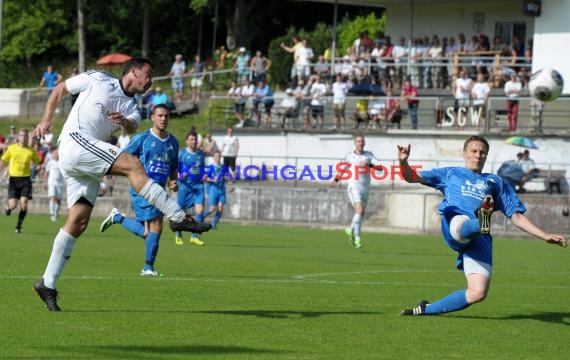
point(546, 84)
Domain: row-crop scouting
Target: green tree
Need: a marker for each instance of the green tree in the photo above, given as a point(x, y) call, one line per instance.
point(33, 27)
point(349, 30)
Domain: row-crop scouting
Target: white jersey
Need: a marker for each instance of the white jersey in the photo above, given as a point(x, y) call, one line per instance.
point(99, 94)
point(54, 174)
point(367, 160)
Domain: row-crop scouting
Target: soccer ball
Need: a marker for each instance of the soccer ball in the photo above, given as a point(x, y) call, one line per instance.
point(546, 84)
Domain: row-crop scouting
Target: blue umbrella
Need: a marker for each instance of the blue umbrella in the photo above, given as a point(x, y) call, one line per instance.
point(522, 142)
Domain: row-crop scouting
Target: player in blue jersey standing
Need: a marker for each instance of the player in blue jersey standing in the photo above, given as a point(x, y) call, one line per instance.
point(470, 197)
point(216, 188)
point(191, 161)
point(157, 151)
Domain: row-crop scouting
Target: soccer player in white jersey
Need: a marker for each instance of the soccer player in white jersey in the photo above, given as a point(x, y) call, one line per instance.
point(470, 196)
point(104, 105)
point(359, 164)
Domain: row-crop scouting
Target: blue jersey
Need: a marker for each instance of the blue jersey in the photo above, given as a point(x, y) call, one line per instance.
point(465, 189)
point(159, 158)
point(216, 174)
point(190, 167)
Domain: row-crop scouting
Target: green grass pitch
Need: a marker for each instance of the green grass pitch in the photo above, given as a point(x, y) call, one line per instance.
point(258, 292)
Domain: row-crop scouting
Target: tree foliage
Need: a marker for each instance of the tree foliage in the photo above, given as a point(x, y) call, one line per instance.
point(349, 30)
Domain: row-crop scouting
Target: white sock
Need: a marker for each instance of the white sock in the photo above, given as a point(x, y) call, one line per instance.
point(51, 207)
point(356, 224)
point(62, 247)
point(155, 194)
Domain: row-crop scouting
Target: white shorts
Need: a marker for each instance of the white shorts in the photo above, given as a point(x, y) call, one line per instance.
point(196, 82)
point(55, 190)
point(83, 162)
point(357, 195)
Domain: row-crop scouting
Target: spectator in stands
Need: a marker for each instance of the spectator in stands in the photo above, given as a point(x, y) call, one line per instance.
point(294, 49)
point(360, 114)
point(339, 91)
point(259, 66)
point(461, 91)
point(304, 58)
point(287, 108)
point(230, 150)
point(362, 45)
point(198, 73)
point(346, 68)
point(246, 92)
point(393, 110)
point(322, 68)
point(432, 60)
point(461, 44)
point(159, 97)
point(50, 78)
point(480, 93)
point(376, 114)
point(400, 52)
point(234, 93)
point(528, 167)
point(317, 91)
point(512, 89)
point(410, 95)
point(241, 65)
point(176, 73)
point(536, 114)
point(209, 146)
point(263, 96)
point(416, 54)
point(12, 136)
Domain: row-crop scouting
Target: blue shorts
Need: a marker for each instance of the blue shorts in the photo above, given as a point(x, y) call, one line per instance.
point(216, 196)
point(190, 196)
point(479, 249)
point(144, 211)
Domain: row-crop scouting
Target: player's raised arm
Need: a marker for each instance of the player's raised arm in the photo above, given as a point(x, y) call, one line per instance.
point(410, 174)
point(524, 223)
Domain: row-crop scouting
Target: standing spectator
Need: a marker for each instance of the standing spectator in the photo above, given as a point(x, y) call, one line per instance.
point(210, 146)
point(241, 65)
point(462, 91)
point(432, 61)
point(259, 66)
point(393, 111)
point(358, 185)
point(50, 78)
point(410, 94)
point(191, 162)
point(19, 157)
point(339, 90)
point(53, 182)
point(294, 49)
point(12, 136)
point(157, 151)
point(512, 89)
point(246, 91)
point(536, 114)
point(234, 93)
point(230, 150)
point(399, 53)
point(318, 90)
point(176, 73)
point(305, 56)
point(480, 93)
point(198, 74)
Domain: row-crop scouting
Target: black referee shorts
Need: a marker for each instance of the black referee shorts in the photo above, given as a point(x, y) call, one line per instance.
point(20, 187)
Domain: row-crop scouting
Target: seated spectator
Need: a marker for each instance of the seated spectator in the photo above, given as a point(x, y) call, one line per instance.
point(322, 69)
point(234, 93)
point(360, 114)
point(511, 172)
point(287, 108)
point(377, 113)
point(263, 96)
point(528, 167)
point(159, 97)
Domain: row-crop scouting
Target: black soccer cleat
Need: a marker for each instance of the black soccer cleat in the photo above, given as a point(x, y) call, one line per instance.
point(190, 225)
point(48, 296)
point(418, 310)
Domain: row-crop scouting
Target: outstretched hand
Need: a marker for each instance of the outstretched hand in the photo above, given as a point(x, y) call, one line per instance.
point(556, 239)
point(404, 152)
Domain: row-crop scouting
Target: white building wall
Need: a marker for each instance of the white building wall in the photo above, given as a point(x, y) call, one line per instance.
point(451, 17)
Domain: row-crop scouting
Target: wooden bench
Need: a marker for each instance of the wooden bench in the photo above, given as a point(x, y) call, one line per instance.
point(551, 179)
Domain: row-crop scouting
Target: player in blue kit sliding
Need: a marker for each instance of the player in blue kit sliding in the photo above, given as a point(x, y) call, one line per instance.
point(157, 151)
point(470, 197)
point(191, 177)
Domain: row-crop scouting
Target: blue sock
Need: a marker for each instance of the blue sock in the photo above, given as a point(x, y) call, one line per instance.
point(133, 226)
point(452, 302)
point(199, 218)
point(151, 250)
point(216, 218)
point(470, 229)
point(207, 213)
